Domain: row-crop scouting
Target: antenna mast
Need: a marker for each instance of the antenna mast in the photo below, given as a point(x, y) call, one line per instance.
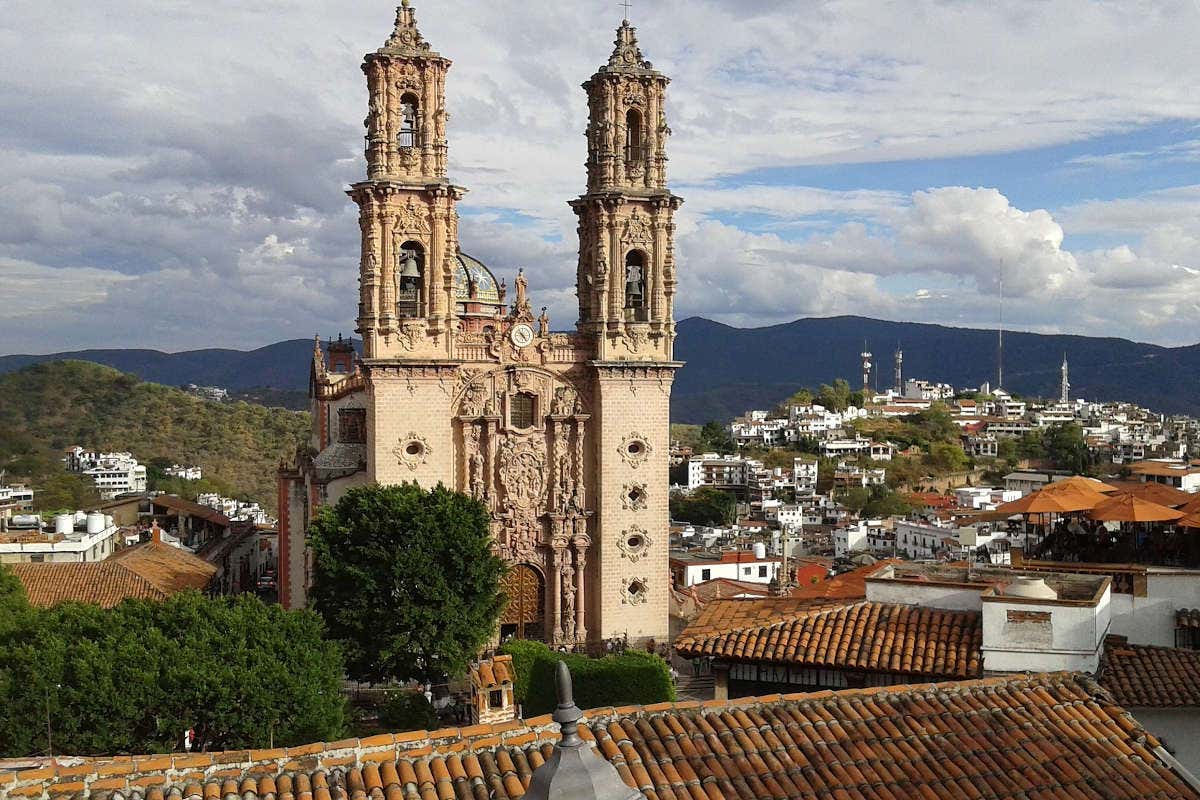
point(1000, 360)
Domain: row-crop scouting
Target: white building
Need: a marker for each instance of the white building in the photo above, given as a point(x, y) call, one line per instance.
point(113, 473)
point(74, 537)
point(184, 472)
point(15, 499)
point(1032, 621)
point(917, 540)
point(753, 566)
point(804, 477)
point(711, 469)
point(850, 538)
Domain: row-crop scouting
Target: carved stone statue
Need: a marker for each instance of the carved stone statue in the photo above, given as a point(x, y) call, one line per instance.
point(544, 323)
point(477, 483)
point(565, 399)
point(568, 601)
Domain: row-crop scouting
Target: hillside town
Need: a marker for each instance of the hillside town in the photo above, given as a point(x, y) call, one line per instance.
point(490, 566)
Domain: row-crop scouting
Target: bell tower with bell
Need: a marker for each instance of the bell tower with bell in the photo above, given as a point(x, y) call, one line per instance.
point(626, 274)
point(406, 205)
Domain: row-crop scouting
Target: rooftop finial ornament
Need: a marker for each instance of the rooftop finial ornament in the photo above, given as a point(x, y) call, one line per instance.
point(575, 770)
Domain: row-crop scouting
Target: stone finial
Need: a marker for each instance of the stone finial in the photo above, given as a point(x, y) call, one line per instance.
point(626, 52)
point(575, 770)
point(405, 38)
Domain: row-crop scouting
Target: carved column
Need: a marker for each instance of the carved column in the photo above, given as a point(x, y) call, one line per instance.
point(660, 247)
point(580, 563)
point(616, 281)
point(580, 482)
point(556, 560)
point(387, 272)
point(436, 261)
point(604, 261)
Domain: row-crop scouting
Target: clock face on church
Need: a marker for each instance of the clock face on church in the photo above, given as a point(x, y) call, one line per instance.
point(521, 335)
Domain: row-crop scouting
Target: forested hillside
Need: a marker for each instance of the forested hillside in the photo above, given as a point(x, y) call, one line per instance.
point(47, 407)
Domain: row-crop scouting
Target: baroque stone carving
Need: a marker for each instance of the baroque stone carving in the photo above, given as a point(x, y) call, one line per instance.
point(634, 449)
point(523, 471)
point(413, 450)
point(410, 334)
point(637, 229)
point(633, 543)
point(633, 496)
point(565, 402)
point(633, 591)
point(412, 218)
point(474, 400)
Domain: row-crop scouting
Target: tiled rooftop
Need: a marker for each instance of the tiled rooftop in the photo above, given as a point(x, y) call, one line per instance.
point(1157, 677)
point(492, 673)
point(1040, 737)
point(148, 571)
point(879, 637)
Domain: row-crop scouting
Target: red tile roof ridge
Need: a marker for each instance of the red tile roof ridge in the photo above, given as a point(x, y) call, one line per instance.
point(1120, 752)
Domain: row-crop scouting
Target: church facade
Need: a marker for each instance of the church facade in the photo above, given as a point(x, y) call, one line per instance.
point(563, 435)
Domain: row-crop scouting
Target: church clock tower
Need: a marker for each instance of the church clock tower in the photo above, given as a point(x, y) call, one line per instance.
point(407, 205)
point(626, 275)
point(563, 436)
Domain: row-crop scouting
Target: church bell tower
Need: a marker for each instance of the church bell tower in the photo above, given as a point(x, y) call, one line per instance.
point(626, 275)
point(406, 205)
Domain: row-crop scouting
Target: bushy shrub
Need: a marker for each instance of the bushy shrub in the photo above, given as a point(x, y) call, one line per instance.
point(407, 711)
point(632, 678)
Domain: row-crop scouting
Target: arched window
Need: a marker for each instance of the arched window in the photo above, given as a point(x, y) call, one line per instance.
point(408, 121)
point(635, 279)
point(634, 149)
point(410, 279)
point(521, 410)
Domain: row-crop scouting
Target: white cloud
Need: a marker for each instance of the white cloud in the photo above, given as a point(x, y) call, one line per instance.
point(187, 177)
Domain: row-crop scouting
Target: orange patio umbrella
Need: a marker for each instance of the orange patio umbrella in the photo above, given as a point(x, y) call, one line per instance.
point(1062, 501)
point(1082, 482)
point(1191, 506)
point(1190, 521)
point(1160, 493)
point(1128, 508)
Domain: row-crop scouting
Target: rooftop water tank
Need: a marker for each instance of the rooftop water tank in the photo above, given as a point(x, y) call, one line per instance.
point(760, 551)
point(1031, 587)
point(95, 522)
point(64, 524)
point(26, 521)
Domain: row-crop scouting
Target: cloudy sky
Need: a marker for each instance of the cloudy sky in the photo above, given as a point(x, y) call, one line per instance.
point(172, 173)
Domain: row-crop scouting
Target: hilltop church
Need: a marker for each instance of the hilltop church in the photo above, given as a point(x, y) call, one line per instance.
point(563, 436)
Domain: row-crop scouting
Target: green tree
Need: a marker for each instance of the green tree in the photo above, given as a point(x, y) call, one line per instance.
point(946, 458)
point(13, 602)
point(1006, 451)
point(1066, 446)
point(408, 711)
point(406, 580)
point(1029, 445)
point(704, 506)
point(239, 672)
point(885, 503)
point(855, 499)
point(715, 438)
point(835, 397)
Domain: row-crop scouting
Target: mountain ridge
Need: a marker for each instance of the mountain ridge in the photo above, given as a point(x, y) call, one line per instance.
point(729, 370)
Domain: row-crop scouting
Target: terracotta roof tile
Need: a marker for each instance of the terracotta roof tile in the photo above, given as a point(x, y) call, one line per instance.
point(1144, 676)
point(880, 637)
point(1041, 737)
point(148, 571)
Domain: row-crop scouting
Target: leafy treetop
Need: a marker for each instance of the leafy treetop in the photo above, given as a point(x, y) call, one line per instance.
point(406, 580)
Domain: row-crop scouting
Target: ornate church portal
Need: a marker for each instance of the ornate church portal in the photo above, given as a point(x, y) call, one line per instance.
point(563, 435)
